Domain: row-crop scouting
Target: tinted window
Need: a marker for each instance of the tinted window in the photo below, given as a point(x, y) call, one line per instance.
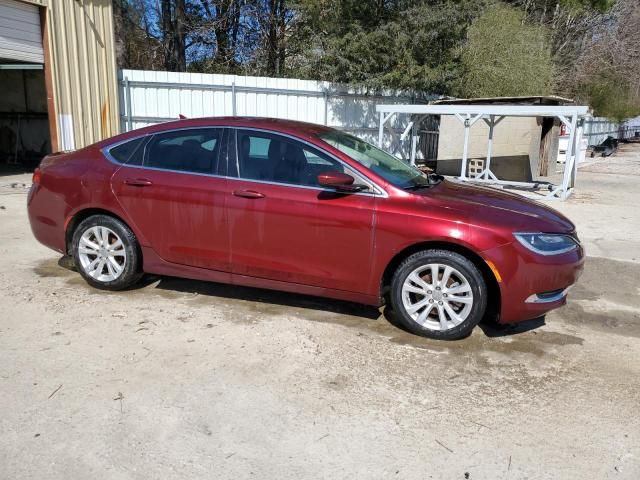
point(192, 150)
point(123, 152)
point(269, 157)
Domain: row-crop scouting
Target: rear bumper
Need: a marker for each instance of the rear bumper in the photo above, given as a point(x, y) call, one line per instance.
point(533, 285)
point(46, 218)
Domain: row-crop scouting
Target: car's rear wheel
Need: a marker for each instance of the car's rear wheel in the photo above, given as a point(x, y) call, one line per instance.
point(438, 294)
point(106, 253)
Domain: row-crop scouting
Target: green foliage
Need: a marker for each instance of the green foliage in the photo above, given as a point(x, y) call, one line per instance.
point(611, 96)
point(585, 49)
point(400, 47)
point(505, 56)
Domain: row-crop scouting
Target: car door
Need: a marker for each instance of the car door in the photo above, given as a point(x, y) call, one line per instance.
point(172, 193)
point(284, 226)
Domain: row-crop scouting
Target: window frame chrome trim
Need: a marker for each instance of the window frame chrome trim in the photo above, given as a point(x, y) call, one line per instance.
point(106, 150)
point(377, 191)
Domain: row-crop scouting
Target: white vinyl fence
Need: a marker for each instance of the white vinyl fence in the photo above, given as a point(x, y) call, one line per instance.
point(148, 97)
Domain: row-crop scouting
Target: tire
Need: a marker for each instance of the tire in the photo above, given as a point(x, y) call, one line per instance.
point(464, 282)
point(122, 261)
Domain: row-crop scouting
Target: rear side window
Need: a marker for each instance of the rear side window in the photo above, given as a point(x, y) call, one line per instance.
point(192, 150)
point(122, 153)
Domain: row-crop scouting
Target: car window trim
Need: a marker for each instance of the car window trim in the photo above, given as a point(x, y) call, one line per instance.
point(216, 160)
point(106, 151)
point(376, 189)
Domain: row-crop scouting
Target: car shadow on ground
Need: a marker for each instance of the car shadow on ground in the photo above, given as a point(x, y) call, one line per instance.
point(275, 298)
point(293, 300)
point(250, 294)
point(492, 329)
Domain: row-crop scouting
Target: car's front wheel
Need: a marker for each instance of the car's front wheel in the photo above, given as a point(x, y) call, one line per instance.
point(438, 294)
point(106, 253)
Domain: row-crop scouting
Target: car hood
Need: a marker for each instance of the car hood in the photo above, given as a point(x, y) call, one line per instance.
point(484, 205)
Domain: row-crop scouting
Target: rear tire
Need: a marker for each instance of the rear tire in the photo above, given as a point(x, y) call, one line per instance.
point(448, 308)
point(106, 253)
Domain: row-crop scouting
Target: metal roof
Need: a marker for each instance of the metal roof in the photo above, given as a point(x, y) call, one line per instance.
point(516, 100)
point(486, 109)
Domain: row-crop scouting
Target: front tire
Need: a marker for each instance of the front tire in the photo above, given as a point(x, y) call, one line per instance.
point(106, 253)
point(438, 294)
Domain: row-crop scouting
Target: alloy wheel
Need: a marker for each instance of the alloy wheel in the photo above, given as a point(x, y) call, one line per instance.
point(437, 296)
point(102, 254)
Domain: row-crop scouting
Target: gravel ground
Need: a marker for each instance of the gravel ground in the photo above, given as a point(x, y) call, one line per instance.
point(185, 379)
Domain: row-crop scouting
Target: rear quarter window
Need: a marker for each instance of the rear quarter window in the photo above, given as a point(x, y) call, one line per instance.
point(125, 151)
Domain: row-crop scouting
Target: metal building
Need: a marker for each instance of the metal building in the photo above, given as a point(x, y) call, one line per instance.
point(58, 76)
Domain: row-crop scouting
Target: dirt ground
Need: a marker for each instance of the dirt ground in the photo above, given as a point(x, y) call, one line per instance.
point(185, 379)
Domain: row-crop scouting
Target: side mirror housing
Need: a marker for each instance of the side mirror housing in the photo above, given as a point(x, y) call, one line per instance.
point(340, 182)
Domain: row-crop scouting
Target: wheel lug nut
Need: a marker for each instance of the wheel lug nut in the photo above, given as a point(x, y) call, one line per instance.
point(429, 292)
point(444, 295)
point(439, 303)
point(431, 300)
point(437, 288)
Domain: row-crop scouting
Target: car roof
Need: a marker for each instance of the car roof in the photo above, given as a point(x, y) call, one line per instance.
point(294, 127)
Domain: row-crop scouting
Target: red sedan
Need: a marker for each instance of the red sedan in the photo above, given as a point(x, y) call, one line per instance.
point(303, 208)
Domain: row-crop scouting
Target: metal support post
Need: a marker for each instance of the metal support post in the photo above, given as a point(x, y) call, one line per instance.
point(465, 147)
point(325, 96)
point(127, 99)
point(570, 159)
point(234, 110)
point(414, 142)
point(578, 150)
point(468, 123)
point(486, 172)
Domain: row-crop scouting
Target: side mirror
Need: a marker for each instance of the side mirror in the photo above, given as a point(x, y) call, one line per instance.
point(340, 182)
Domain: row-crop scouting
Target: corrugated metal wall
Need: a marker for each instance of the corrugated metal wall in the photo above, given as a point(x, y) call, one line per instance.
point(20, 36)
point(83, 69)
point(148, 97)
point(597, 129)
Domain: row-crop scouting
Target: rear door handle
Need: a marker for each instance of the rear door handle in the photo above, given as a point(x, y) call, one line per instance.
point(248, 194)
point(138, 182)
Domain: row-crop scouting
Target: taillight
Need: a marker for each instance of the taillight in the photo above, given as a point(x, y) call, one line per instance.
point(36, 176)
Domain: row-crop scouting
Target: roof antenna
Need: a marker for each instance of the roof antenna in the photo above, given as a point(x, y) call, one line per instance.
point(182, 117)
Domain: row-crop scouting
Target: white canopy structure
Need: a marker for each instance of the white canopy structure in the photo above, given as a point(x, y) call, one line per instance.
point(571, 116)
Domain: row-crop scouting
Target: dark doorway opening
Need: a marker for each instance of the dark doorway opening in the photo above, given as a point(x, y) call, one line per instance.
point(24, 118)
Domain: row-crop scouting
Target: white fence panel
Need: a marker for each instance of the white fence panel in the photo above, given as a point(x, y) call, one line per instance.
point(148, 97)
point(597, 129)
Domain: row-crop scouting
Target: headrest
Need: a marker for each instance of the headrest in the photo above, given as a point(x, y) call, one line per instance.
point(245, 146)
point(276, 150)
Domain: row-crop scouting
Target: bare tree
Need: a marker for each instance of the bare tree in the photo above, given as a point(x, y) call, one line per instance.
point(136, 46)
point(174, 34)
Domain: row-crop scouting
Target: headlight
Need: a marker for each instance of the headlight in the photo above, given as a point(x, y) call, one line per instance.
point(547, 243)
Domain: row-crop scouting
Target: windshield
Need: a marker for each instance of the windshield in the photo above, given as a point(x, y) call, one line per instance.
point(392, 169)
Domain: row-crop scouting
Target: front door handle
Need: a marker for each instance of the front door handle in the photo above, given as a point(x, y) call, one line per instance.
point(138, 182)
point(248, 194)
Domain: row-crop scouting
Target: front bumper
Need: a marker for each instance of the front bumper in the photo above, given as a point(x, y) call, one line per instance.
point(532, 285)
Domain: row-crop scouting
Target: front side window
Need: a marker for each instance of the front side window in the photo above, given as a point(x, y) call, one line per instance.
point(392, 169)
point(274, 158)
point(190, 150)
